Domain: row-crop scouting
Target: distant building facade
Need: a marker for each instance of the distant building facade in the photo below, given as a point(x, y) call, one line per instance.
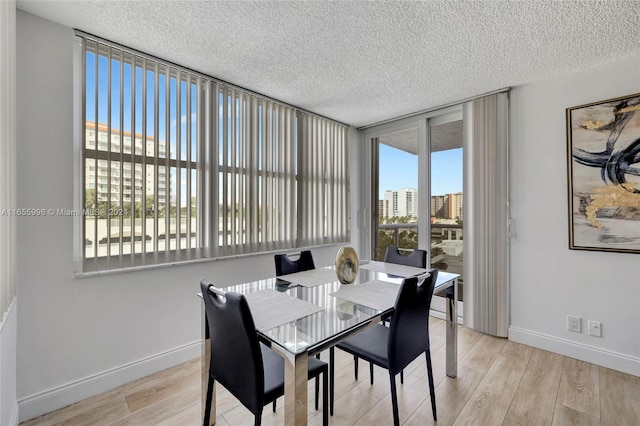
point(455, 205)
point(404, 202)
point(439, 205)
point(383, 208)
point(114, 180)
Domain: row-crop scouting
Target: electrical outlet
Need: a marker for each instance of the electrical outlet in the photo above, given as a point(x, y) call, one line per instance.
point(573, 323)
point(595, 328)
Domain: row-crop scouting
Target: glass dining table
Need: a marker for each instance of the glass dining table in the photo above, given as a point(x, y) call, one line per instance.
point(302, 314)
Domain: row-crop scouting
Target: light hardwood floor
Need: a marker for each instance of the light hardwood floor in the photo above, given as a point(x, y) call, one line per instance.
point(499, 383)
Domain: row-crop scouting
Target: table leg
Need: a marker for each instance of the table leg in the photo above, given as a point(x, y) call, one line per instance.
point(452, 331)
point(295, 387)
point(206, 357)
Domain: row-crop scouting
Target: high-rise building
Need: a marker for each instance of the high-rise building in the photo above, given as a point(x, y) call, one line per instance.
point(439, 205)
point(383, 208)
point(408, 202)
point(390, 203)
point(106, 174)
point(403, 202)
point(447, 206)
point(455, 205)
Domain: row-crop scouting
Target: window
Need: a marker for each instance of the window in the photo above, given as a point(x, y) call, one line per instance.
point(179, 167)
point(256, 191)
point(151, 220)
point(323, 181)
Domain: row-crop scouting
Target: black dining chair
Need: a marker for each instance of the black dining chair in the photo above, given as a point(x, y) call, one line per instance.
point(396, 346)
point(248, 369)
point(417, 257)
point(284, 264)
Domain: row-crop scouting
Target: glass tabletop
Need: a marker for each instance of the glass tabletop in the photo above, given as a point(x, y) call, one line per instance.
point(335, 317)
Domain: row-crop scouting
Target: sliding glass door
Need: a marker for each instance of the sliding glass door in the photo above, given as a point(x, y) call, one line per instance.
point(446, 199)
point(464, 228)
point(416, 189)
point(395, 183)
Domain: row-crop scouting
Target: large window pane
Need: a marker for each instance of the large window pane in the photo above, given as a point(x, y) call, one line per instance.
point(398, 193)
point(447, 198)
point(177, 166)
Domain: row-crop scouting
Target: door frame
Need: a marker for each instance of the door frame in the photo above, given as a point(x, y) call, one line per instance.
point(371, 178)
point(439, 303)
point(369, 201)
point(370, 172)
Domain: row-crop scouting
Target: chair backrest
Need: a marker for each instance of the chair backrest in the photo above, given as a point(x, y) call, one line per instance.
point(284, 265)
point(417, 257)
point(409, 328)
point(236, 359)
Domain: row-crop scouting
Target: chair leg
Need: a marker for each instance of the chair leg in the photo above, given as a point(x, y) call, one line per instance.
point(258, 418)
point(317, 385)
point(394, 400)
point(371, 373)
point(431, 386)
point(274, 405)
point(402, 377)
point(325, 397)
point(317, 392)
point(207, 410)
point(355, 366)
point(332, 368)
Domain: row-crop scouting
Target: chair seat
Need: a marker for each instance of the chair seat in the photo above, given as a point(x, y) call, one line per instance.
point(274, 372)
point(370, 345)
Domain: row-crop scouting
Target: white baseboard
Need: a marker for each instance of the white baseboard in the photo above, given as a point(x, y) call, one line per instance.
point(437, 314)
point(443, 316)
point(8, 359)
point(52, 399)
point(594, 355)
point(439, 303)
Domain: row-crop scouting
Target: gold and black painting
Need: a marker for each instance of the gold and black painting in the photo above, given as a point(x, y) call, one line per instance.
point(603, 140)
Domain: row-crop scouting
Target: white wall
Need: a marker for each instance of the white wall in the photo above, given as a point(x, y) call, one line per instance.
point(549, 281)
point(78, 337)
point(8, 171)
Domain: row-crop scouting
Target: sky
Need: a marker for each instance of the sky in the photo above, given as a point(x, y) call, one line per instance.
point(123, 83)
point(399, 169)
point(122, 77)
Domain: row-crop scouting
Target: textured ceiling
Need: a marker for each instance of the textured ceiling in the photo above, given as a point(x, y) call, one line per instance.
point(365, 62)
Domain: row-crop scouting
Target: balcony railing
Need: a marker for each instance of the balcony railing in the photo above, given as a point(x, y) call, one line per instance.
point(446, 251)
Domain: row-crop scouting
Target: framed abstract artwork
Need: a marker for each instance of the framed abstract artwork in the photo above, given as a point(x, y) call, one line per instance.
point(603, 155)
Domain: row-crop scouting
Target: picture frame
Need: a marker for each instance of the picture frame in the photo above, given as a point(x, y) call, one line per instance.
point(603, 156)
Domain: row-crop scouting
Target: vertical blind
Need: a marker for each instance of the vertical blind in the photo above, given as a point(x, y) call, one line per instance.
point(323, 187)
point(178, 166)
point(7, 157)
point(255, 164)
point(141, 150)
point(486, 214)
